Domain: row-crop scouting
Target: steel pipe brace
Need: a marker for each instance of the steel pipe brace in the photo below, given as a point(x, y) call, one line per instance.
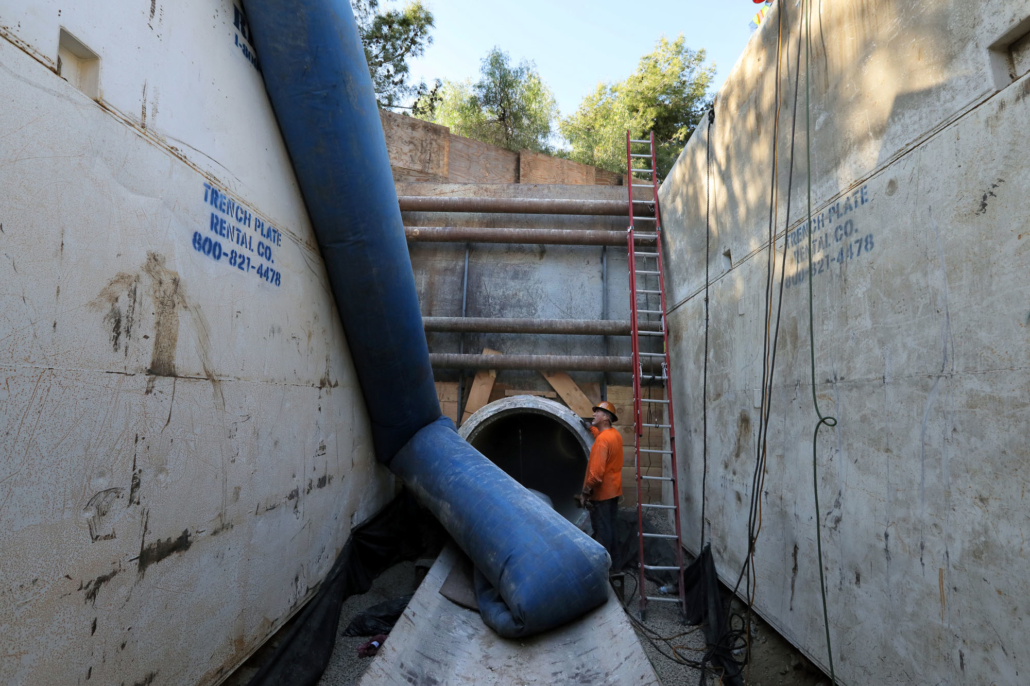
point(461, 234)
point(582, 327)
point(607, 208)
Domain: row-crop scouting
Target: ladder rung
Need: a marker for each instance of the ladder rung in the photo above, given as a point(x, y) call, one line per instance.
point(634, 140)
point(645, 219)
point(658, 507)
point(650, 333)
point(640, 155)
point(664, 600)
point(673, 536)
point(662, 452)
point(642, 185)
point(649, 312)
point(658, 402)
point(646, 271)
point(661, 568)
point(650, 236)
point(651, 354)
point(648, 292)
point(645, 254)
point(658, 426)
point(656, 478)
point(640, 171)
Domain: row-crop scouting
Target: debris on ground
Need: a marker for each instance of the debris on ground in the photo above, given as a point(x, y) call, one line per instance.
point(370, 648)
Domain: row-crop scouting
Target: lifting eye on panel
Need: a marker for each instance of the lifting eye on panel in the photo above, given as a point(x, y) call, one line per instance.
point(78, 65)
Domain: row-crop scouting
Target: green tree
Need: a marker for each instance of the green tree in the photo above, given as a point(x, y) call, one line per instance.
point(667, 94)
point(390, 38)
point(509, 106)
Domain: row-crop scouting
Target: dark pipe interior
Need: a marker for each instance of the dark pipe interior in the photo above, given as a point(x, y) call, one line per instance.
point(538, 452)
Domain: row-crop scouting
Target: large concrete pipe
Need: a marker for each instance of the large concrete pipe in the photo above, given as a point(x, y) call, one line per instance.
point(610, 208)
point(540, 443)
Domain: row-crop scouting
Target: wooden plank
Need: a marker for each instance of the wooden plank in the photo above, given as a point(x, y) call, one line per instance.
point(509, 392)
point(439, 642)
point(416, 145)
point(570, 393)
point(447, 393)
point(471, 161)
point(535, 167)
point(482, 386)
point(412, 176)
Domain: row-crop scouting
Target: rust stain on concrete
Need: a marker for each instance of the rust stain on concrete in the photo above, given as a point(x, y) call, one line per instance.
point(159, 549)
point(167, 298)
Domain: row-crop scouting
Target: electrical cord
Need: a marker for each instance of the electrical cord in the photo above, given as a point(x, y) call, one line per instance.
point(758, 477)
point(829, 421)
point(704, 383)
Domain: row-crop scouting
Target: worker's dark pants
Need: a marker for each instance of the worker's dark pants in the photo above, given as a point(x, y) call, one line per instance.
point(602, 519)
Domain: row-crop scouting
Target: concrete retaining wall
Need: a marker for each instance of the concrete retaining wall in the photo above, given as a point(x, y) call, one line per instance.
point(922, 334)
point(184, 447)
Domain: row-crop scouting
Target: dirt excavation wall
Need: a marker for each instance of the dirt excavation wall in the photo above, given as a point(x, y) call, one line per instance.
point(184, 446)
point(921, 312)
point(421, 152)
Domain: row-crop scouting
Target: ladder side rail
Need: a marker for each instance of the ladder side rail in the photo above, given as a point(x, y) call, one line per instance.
point(635, 346)
point(668, 379)
point(672, 424)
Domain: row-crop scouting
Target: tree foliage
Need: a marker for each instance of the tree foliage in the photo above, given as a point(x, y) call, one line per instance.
point(509, 106)
point(390, 38)
point(667, 94)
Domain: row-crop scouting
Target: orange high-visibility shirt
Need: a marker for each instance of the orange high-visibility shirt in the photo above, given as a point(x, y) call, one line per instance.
point(604, 470)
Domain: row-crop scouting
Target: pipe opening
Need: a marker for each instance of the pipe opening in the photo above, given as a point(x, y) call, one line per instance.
point(538, 442)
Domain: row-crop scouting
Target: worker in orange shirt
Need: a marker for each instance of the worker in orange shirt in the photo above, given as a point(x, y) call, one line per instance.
point(603, 483)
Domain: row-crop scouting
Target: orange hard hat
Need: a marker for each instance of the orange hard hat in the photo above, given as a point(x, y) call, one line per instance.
point(609, 408)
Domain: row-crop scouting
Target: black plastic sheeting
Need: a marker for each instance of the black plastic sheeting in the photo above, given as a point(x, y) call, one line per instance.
point(400, 531)
point(705, 606)
point(378, 619)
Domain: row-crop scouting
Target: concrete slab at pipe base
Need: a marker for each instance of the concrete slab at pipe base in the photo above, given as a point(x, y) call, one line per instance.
point(439, 642)
point(538, 442)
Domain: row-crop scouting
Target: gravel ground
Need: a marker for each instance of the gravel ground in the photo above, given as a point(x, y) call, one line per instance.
point(663, 619)
point(774, 661)
point(345, 667)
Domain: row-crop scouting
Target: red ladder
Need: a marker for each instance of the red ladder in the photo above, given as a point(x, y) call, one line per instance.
point(660, 410)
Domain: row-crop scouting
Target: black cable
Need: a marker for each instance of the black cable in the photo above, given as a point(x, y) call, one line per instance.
point(704, 383)
point(754, 522)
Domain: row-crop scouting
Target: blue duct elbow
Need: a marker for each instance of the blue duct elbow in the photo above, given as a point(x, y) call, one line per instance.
point(539, 570)
point(315, 72)
point(542, 570)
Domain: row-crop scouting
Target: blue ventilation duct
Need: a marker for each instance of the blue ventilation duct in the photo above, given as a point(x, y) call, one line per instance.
point(543, 571)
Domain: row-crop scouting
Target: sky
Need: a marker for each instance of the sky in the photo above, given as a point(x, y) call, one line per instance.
point(577, 44)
